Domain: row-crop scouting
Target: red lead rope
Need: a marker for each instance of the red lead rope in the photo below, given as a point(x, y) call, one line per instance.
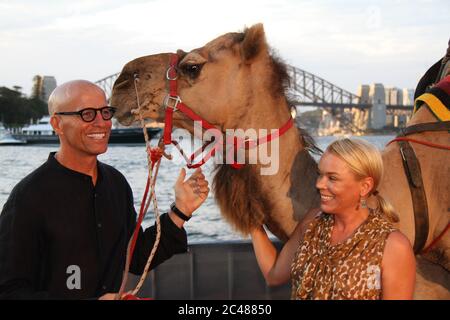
point(139, 221)
point(155, 156)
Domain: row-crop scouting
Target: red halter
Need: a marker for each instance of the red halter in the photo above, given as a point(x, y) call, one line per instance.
point(178, 105)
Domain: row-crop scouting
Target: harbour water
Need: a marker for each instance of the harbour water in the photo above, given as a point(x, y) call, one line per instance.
point(207, 224)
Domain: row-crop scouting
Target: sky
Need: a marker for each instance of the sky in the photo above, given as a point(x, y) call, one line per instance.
point(345, 42)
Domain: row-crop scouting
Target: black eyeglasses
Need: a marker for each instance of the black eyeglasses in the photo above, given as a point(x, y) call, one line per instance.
point(89, 114)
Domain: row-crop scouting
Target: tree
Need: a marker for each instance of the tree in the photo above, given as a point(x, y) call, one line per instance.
point(17, 111)
point(17, 88)
point(37, 108)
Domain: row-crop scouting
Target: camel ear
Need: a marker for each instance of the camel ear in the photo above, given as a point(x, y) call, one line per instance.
point(181, 54)
point(254, 42)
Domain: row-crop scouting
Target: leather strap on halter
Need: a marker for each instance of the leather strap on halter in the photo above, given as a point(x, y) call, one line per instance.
point(172, 76)
point(419, 200)
point(413, 173)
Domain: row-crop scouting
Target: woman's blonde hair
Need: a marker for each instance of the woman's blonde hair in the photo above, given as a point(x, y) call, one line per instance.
point(364, 160)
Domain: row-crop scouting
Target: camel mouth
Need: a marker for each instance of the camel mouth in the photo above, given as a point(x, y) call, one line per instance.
point(126, 118)
point(147, 110)
point(130, 110)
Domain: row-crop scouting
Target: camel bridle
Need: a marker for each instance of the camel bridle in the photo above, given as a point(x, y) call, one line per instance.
point(173, 103)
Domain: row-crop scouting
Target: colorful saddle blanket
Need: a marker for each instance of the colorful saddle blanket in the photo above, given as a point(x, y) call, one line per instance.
point(437, 99)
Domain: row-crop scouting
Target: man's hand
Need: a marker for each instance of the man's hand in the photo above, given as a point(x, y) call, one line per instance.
point(108, 296)
point(114, 296)
point(190, 194)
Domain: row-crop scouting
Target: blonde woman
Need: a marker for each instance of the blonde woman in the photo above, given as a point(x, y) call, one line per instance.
point(347, 248)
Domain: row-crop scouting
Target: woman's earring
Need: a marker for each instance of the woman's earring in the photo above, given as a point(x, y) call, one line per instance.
point(363, 203)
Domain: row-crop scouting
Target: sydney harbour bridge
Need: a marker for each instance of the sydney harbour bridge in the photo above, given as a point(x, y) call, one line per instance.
point(342, 110)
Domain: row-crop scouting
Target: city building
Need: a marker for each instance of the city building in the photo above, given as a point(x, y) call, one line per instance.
point(43, 87)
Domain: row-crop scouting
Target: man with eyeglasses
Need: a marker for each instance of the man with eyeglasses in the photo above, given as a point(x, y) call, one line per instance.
point(65, 228)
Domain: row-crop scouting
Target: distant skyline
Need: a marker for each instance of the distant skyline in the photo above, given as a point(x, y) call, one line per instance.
point(345, 42)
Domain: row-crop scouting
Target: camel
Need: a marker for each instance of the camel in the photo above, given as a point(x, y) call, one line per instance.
point(236, 81)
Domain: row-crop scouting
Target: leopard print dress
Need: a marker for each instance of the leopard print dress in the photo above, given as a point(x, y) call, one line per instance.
point(347, 270)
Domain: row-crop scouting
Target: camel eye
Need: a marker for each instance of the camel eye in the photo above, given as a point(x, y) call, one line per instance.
point(192, 70)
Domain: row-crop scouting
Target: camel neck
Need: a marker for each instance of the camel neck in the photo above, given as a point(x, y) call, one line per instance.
point(422, 115)
point(266, 113)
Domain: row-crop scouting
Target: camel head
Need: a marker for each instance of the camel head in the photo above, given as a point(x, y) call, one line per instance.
point(217, 81)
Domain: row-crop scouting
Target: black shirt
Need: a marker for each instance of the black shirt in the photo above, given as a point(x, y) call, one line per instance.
point(56, 221)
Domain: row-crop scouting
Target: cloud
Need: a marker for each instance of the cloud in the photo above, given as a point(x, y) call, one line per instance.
point(347, 43)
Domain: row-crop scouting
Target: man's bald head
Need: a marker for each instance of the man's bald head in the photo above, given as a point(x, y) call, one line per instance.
point(72, 94)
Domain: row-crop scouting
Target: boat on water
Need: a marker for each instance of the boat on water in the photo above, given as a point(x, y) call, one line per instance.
point(42, 133)
point(7, 139)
